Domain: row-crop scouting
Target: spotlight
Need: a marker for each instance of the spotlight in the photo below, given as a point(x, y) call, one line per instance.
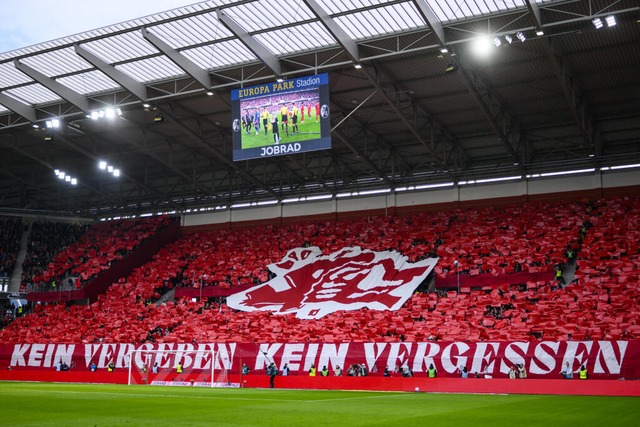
point(102, 164)
point(158, 118)
point(496, 41)
point(451, 68)
point(357, 66)
point(209, 93)
point(279, 80)
point(146, 105)
point(508, 38)
point(35, 126)
point(444, 50)
point(539, 33)
point(520, 35)
point(597, 22)
point(482, 46)
point(611, 20)
point(48, 137)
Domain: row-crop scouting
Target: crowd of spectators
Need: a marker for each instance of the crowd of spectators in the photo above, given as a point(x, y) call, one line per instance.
point(582, 310)
point(11, 229)
point(46, 240)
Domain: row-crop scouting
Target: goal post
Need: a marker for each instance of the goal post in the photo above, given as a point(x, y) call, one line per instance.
point(175, 368)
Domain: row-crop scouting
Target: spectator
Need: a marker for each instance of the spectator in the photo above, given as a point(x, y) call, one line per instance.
point(93, 367)
point(522, 372)
point(512, 373)
point(583, 373)
point(431, 371)
point(464, 373)
point(285, 370)
point(567, 372)
point(245, 369)
point(337, 371)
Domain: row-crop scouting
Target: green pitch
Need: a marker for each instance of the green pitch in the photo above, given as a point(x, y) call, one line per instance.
point(45, 404)
point(307, 130)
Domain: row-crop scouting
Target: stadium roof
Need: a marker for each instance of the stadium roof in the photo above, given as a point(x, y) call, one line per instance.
point(563, 95)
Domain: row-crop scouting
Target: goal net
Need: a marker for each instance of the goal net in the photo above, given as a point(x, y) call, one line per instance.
point(200, 368)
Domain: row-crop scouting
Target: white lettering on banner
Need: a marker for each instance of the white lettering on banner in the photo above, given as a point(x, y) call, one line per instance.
point(310, 358)
point(424, 358)
point(332, 355)
point(35, 357)
point(107, 354)
point(571, 353)
point(513, 357)
point(543, 361)
point(266, 355)
point(123, 354)
point(203, 357)
point(292, 355)
point(275, 150)
point(17, 357)
point(607, 354)
point(372, 352)
point(398, 355)
point(484, 356)
point(447, 363)
point(606, 359)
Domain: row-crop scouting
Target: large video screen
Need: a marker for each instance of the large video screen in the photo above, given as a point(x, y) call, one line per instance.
point(281, 118)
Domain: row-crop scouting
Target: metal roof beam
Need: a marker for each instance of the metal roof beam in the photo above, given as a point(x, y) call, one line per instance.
point(432, 20)
point(336, 31)
point(58, 88)
point(18, 107)
point(124, 80)
point(486, 110)
point(190, 67)
point(534, 10)
point(268, 58)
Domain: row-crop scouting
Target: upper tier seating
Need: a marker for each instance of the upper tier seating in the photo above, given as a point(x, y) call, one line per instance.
point(10, 234)
point(227, 258)
point(102, 244)
point(46, 240)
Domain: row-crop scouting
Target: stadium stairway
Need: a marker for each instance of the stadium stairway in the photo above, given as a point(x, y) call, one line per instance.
point(16, 276)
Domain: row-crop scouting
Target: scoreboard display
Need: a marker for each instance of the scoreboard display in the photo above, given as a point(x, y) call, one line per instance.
point(280, 118)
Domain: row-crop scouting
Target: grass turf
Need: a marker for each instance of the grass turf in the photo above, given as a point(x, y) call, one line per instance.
point(46, 404)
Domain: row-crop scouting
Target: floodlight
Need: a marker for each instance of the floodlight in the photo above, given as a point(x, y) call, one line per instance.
point(48, 137)
point(520, 35)
point(209, 93)
point(61, 175)
point(444, 50)
point(611, 20)
point(508, 38)
point(67, 178)
point(102, 164)
point(35, 126)
point(110, 169)
point(74, 181)
point(110, 113)
point(56, 171)
point(496, 41)
point(451, 68)
point(146, 105)
point(357, 66)
point(158, 118)
point(279, 80)
point(94, 115)
point(482, 46)
point(597, 22)
point(116, 172)
point(539, 33)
